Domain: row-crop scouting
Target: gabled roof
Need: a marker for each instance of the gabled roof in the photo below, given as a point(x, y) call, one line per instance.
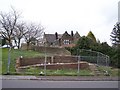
point(60, 35)
point(77, 35)
point(66, 35)
point(50, 37)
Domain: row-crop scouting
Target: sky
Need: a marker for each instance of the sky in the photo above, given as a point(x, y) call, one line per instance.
point(98, 16)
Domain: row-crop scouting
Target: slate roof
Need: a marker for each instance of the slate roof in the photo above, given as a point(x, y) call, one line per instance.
point(50, 38)
point(77, 35)
point(66, 35)
point(60, 36)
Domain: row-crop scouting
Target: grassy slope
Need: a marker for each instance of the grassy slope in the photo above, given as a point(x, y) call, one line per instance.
point(57, 72)
point(111, 71)
point(15, 54)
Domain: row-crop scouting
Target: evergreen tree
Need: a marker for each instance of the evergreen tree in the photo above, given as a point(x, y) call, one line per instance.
point(115, 35)
point(91, 36)
point(84, 43)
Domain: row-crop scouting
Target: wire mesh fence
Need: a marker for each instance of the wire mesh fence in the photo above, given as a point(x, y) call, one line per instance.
point(79, 67)
point(93, 57)
point(62, 68)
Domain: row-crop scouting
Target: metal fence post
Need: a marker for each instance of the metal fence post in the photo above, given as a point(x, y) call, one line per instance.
point(45, 61)
point(9, 56)
point(45, 65)
point(107, 60)
point(97, 57)
point(78, 64)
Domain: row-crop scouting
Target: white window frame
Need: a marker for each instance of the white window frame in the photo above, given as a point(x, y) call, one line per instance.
point(66, 42)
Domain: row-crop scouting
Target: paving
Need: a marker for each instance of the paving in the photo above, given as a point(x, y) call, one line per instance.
point(60, 78)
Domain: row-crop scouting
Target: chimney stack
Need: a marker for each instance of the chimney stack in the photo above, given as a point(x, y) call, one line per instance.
point(56, 35)
point(72, 33)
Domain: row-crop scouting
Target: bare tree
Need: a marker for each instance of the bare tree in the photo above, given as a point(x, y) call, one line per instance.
point(7, 24)
point(18, 33)
point(33, 31)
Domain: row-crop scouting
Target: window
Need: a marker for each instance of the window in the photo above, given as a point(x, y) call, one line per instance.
point(67, 42)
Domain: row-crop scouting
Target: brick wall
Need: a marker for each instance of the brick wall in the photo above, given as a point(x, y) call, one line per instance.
point(70, 62)
point(65, 59)
point(83, 65)
point(41, 60)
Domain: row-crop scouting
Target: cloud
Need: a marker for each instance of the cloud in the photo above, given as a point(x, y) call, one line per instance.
point(99, 16)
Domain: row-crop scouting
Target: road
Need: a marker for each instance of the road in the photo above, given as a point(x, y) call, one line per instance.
point(58, 84)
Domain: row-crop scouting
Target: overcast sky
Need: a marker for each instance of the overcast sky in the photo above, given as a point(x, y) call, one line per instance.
point(99, 16)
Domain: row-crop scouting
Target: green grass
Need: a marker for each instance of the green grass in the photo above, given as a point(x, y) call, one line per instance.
point(32, 71)
point(14, 55)
point(35, 71)
point(111, 71)
point(58, 72)
point(68, 72)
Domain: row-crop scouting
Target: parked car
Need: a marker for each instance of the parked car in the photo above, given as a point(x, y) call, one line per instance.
point(6, 46)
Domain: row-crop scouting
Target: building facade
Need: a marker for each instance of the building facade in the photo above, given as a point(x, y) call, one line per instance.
point(61, 40)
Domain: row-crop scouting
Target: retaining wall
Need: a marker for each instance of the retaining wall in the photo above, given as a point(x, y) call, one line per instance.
point(41, 60)
point(53, 62)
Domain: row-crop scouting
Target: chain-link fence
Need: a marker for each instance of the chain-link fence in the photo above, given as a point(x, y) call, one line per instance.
point(51, 65)
point(93, 57)
point(62, 65)
point(65, 65)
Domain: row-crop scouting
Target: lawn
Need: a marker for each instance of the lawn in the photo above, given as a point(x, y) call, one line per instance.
point(112, 71)
point(32, 71)
point(58, 72)
point(36, 71)
point(14, 55)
